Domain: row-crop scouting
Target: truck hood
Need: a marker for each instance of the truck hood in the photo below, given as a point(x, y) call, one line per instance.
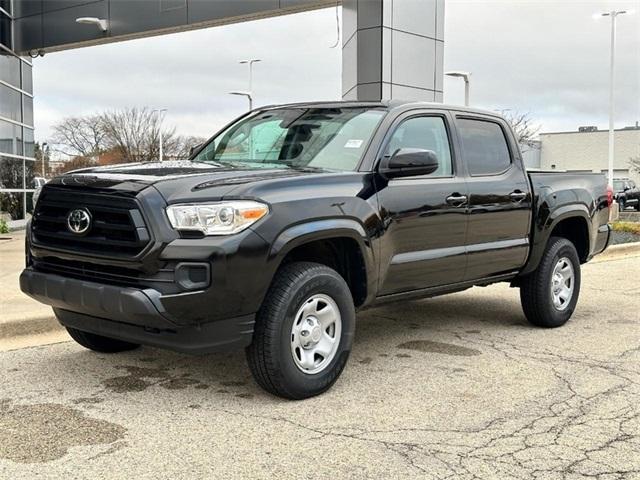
point(171, 178)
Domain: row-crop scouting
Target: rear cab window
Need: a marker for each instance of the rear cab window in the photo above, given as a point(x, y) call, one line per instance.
point(484, 146)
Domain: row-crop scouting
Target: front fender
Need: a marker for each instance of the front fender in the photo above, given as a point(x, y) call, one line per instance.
point(324, 229)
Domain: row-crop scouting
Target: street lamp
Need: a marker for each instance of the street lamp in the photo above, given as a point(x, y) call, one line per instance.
point(101, 23)
point(161, 117)
point(250, 63)
point(465, 76)
point(245, 94)
point(613, 14)
point(249, 93)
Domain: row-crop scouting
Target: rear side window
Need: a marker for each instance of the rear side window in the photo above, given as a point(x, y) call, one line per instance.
point(484, 147)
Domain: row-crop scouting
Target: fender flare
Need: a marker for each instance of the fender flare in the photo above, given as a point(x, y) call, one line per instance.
point(543, 233)
point(324, 229)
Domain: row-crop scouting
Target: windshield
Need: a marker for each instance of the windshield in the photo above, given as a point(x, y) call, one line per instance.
point(319, 138)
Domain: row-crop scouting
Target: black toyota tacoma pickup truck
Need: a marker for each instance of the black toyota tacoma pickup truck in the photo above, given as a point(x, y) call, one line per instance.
point(289, 220)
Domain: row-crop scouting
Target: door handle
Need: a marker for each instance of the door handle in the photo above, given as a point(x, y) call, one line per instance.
point(517, 196)
point(456, 200)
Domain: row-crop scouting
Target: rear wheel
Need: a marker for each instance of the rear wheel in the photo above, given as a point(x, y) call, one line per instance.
point(549, 295)
point(98, 343)
point(304, 331)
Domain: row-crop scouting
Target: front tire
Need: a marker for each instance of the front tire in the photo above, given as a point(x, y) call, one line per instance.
point(303, 333)
point(549, 295)
point(98, 343)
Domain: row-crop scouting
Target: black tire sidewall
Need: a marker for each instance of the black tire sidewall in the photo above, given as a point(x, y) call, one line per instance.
point(99, 343)
point(560, 248)
point(328, 282)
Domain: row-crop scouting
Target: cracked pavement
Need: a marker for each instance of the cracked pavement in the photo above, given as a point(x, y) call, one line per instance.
point(458, 386)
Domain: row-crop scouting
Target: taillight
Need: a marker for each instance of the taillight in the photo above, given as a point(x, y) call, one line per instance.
point(609, 196)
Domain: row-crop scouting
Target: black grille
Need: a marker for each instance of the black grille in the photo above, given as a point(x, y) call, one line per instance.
point(117, 227)
point(163, 279)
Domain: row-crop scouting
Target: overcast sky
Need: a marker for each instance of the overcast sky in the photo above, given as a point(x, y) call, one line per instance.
point(548, 58)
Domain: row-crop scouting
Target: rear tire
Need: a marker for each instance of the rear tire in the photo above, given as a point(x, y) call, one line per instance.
point(98, 343)
point(549, 294)
point(303, 333)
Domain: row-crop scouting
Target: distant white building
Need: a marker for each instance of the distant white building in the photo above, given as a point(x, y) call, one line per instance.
point(587, 150)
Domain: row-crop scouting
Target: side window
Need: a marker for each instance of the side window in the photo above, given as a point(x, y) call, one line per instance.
point(427, 133)
point(484, 146)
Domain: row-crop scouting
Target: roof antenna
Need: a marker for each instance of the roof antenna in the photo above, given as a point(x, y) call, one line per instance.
point(337, 29)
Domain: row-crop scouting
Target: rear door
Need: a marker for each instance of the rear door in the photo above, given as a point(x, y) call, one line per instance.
point(424, 216)
point(500, 202)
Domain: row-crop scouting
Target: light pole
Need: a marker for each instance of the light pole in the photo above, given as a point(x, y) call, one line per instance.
point(465, 76)
point(44, 154)
point(249, 93)
point(250, 63)
point(613, 14)
point(160, 117)
point(245, 94)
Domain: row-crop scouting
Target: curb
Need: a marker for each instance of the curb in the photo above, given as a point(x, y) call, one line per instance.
point(620, 250)
point(33, 326)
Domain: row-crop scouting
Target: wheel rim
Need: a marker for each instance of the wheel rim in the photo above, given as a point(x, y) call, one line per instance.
point(562, 283)
point(315, 334)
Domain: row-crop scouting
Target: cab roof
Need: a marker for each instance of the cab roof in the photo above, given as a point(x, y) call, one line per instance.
point(387, 104)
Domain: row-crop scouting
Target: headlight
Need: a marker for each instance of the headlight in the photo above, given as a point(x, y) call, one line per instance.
point(223, 218)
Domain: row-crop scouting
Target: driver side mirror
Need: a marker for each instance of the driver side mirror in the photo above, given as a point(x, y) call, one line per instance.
point(407, 162)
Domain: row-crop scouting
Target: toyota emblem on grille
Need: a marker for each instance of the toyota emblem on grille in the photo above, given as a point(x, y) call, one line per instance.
point(79, 221)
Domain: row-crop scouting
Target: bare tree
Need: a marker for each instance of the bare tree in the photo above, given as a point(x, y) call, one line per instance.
point(180, 147)
point(76, 163)
point(134, 133)
point(78, 136)
point(120, 136)
point(522, 126)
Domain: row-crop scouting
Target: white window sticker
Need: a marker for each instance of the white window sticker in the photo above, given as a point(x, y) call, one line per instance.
point(353, 143)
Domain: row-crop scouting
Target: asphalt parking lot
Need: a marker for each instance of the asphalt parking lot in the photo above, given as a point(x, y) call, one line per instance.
point(452, 387)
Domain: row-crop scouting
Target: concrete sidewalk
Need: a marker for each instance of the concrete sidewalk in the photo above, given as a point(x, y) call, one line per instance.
point(20, 315)
point(457, 387)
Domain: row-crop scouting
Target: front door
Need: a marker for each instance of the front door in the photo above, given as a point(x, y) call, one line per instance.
point(425, 216)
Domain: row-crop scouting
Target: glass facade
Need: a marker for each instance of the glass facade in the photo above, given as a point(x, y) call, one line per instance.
point(17, 147)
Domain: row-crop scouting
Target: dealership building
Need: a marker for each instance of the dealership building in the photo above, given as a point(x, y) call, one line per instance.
point(586, 150)
point(390, 49)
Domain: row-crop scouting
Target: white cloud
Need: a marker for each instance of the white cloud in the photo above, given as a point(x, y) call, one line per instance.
point(190, 73)
point(546, 57)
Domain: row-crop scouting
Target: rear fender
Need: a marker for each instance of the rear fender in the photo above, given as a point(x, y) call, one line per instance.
point(543, 227)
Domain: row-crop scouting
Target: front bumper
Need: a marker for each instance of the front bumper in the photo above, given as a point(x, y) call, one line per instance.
point(135, 315)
